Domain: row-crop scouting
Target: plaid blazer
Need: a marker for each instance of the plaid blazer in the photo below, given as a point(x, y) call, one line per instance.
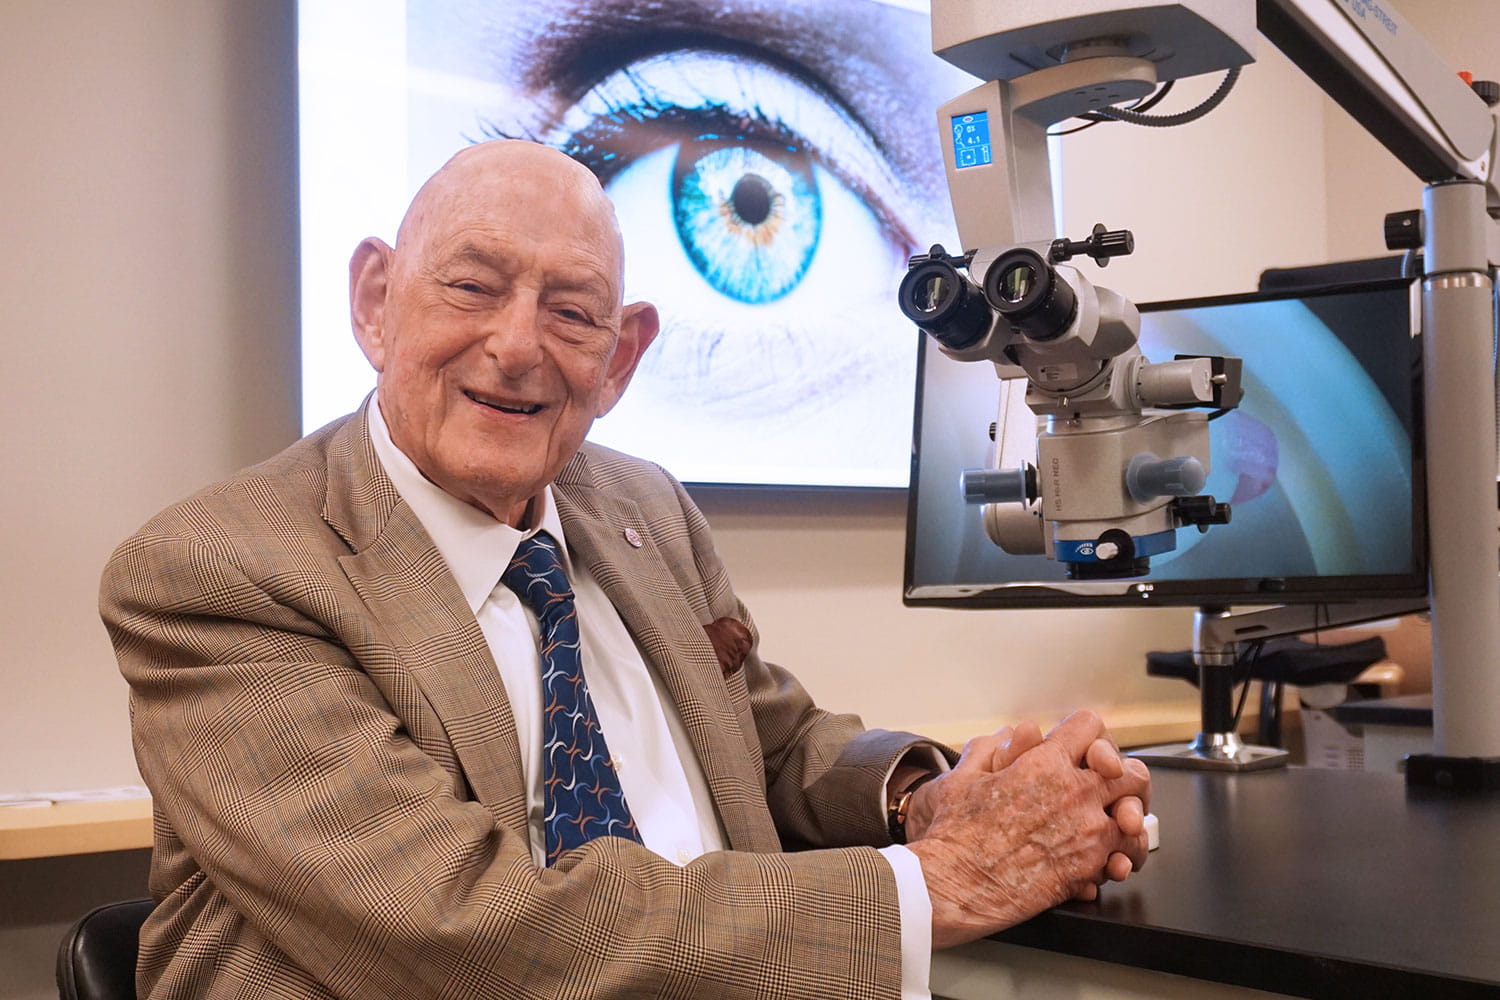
point(339, 804)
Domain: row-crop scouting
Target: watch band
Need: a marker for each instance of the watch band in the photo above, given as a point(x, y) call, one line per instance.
point(895, 812)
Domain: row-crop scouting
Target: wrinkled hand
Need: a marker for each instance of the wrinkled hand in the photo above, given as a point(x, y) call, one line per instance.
point(994, 752)
point(1025, 822)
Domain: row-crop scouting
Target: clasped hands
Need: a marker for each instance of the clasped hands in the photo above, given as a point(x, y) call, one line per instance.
point(1024, 822)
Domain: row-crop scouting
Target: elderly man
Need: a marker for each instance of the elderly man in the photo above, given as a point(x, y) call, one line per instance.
point(442, 701)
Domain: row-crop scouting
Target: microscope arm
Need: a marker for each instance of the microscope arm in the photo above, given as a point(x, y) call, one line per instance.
point(1392, 82)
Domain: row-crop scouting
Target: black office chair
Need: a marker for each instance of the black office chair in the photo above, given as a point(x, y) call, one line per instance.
point(96, 960)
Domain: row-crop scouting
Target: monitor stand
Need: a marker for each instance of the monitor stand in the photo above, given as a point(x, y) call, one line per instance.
point(1217, 632)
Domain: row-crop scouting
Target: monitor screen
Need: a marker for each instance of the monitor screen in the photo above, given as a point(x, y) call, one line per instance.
point(773, 164)
point(1321, 464)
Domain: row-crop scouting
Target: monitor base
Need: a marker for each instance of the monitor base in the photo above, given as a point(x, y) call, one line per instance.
point(1213, 752)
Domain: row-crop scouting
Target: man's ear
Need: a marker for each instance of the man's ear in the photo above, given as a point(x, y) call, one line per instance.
point(639, 324)
point(369, 277)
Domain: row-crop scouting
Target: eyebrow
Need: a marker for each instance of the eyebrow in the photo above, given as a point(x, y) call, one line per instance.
point(881, 53)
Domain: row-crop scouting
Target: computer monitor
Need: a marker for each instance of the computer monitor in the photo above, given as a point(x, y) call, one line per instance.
point(1321, 464)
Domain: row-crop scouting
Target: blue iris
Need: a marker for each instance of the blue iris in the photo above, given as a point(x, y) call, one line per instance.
point(748, 222)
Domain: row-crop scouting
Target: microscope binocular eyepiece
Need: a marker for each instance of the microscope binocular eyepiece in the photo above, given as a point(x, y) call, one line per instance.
point(937, 297)
point(1027, 290)
point(1020, 285)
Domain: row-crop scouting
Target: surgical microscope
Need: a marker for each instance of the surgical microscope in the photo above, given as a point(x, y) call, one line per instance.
point(1100, 455)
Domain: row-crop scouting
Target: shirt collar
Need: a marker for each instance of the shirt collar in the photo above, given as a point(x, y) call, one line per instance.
point(476, 547)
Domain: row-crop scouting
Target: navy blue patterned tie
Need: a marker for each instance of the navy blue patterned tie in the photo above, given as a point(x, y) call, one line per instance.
point(582, 798)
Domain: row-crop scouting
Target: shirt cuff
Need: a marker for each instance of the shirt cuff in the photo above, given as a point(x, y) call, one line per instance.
point(935, 760)
point(916, 922)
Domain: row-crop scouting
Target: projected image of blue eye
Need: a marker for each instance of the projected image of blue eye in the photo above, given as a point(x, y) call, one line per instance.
point(770, 163)
point(748, 222)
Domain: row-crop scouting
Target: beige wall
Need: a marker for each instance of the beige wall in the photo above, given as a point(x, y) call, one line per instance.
point(149, 289)
point(1213, 202)
point(148, 307)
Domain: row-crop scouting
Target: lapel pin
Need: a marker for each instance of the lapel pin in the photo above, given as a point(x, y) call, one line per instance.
point(634, 538)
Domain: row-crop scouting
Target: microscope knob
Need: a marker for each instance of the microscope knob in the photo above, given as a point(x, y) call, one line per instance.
point(1148, 477)
point(1101, 244)
point(1200, 511)
point(1111, 243)
point(1403, 230)
point(999, 485)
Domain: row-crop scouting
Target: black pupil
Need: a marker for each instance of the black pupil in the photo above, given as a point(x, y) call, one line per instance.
point(751, 198)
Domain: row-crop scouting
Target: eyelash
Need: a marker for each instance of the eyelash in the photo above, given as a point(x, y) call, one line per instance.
point(598, 143)
point(593, 146)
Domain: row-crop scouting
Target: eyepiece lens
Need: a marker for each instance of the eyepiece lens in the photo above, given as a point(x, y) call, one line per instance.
point(930, 293)
point(1017, 281)
point(936, 297)
point(1030, 293)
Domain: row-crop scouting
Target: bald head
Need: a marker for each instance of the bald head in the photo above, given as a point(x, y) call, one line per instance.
point(504, 177)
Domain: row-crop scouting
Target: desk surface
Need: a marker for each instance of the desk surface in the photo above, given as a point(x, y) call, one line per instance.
point(1299, 881)
point(74, 828)
point(1306, 882)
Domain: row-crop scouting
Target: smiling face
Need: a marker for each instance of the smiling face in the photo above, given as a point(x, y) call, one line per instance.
point(495, 323)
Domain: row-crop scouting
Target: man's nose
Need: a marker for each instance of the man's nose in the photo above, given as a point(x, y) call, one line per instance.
point(513, 337)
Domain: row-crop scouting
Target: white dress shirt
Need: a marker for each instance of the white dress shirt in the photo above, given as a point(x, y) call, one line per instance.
point(658, 769)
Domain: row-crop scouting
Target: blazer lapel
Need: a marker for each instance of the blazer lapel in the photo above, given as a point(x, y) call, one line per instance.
point(601, 529)
point(435, 641)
